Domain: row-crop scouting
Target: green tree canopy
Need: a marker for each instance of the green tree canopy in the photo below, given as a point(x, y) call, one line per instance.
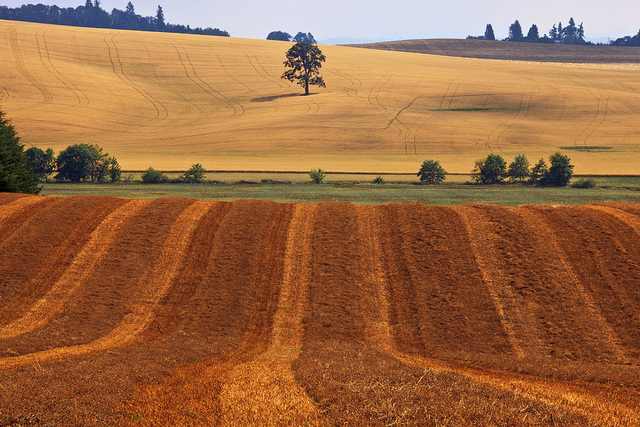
point(488, 33)
point(515, 32)
point(431, 172)
point(16, 174)
point(42, 162)
point(279, 35)
point(304, 61)
point(195, 174)
point(560, 171)
point(490, 170)
point(519, 169)
point(84, 162)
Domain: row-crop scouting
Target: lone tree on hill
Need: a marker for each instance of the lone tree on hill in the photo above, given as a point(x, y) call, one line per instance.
point(304, 61)
point(16, 174)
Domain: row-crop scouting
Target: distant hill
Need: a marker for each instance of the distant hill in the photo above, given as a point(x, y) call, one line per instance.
point(485, 49)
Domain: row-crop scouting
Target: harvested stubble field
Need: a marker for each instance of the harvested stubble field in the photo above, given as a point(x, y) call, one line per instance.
point(185, 312)
point(171, 100)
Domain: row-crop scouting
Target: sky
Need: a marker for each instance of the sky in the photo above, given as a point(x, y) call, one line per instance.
point(378, 20)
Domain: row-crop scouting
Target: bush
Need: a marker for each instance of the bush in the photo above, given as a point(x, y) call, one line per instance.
point(584, 183)
point(378, 180)
point(317, 176)
point(152, 176)
point(195, 174)
point(431, 172)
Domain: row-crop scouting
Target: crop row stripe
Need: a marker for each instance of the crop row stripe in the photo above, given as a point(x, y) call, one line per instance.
point(478, 242)
point(267, 384)
point(84, 264)
point(12, 208)
point(152, 289)
point(607, 337)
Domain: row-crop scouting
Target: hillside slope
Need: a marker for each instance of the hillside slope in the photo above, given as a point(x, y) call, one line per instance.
point(170, 100)
point(183, 312)
point(510, 51)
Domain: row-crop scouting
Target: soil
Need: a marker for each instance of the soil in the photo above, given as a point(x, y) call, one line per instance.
point(253, 312)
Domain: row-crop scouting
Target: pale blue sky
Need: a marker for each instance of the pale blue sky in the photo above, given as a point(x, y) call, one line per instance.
point(385, 20)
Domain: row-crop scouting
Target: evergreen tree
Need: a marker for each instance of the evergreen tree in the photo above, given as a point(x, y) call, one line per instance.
point(160, 18)
point(16, 174)
point(515, 32)
point(130, 9)
point(533, 35)
point(488, 33)
point(553, 32)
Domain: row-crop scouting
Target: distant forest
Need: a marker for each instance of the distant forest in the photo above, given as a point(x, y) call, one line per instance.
point(570, 34)
point(92, 15)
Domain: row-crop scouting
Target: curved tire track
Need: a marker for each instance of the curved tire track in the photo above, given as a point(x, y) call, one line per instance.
point(118, 70)
point(190, 71)
point(15, 48)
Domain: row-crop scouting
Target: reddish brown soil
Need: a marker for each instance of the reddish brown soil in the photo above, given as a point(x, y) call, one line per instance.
point(378, 315)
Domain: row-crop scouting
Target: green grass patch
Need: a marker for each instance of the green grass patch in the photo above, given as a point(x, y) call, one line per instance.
point(440, 195)
point(588, 148)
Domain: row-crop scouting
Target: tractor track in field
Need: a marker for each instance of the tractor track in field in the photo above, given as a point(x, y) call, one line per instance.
point(355, 83)
point(597, 121)
point(190, 72)
point(498, 132)
point(15, 48)
point(45, 59)
point(260, 71)
point(161, 112)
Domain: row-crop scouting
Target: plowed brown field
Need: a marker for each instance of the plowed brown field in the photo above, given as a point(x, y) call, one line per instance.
point(183, 312)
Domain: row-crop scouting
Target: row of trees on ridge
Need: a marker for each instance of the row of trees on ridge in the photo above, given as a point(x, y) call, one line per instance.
point(92, 15)
point(571, 34)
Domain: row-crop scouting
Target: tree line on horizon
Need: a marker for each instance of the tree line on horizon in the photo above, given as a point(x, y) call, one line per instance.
point(571, 34)
point(92, 15)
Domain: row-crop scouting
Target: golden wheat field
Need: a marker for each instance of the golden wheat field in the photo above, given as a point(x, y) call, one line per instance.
point(181, 312)
point(168, 101)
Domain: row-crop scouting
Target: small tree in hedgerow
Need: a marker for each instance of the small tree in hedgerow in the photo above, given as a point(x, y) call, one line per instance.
point(560, 171)
point(490, 170)
point(317, 176)
point(519, 169)
point(304, 61)
point(195, 174)
point(538, 172)
point(42, 162)
point(431, 172)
